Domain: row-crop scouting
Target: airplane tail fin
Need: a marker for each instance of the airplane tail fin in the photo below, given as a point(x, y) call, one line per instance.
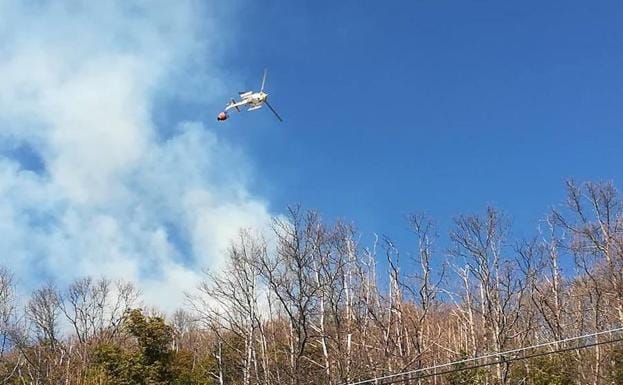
point(233, 103)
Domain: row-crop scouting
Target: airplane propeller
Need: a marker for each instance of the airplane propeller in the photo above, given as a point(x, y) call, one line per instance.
point(273, 110)
point(263, 79)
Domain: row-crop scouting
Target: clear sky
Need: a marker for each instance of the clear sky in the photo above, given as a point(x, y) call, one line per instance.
point(112, 162)
point(440, 106)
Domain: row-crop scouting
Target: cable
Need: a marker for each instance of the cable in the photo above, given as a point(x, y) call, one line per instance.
point(417, 371)
point(505, 360)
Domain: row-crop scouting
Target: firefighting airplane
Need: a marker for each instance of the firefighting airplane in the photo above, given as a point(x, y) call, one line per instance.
point(254, 100)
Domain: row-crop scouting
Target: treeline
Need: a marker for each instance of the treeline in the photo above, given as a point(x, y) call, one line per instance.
point(311, 305)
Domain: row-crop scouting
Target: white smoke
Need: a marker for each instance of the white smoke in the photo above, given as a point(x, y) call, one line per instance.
point(88, 183)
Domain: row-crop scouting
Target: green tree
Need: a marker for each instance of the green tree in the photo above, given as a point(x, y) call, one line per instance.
point(465, 376)
point(557, 369)
point(149, 362)
point(616, 374)
point(154, 338)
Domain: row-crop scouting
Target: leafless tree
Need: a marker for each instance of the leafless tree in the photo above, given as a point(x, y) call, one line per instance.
point(8, 324)
point(96, 307)
point(289, 275)
point(43, 310)
point(229, 301)
point(423, 288)
point(593, 222)
point(480, 242)
point(7, 307)
point(306, 305)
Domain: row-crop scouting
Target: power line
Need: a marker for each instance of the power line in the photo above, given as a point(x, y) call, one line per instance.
point(510, 360)
point(391, 378)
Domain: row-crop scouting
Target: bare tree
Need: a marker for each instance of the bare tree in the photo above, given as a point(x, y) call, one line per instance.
point(7, 308)
point(480, 242)
point(306, 306)
point(593, 220)
point(96, 307)
point(423, 288)
point(229, 301)
point(43, 310)
point(289, 275)
point(8, 324)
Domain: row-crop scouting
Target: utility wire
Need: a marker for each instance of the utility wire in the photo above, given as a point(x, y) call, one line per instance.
point(425, 375)
point(389, 379)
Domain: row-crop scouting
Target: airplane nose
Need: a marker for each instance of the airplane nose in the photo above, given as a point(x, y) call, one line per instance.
point(221, 116)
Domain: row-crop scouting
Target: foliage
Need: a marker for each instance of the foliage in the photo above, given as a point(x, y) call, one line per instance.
point(616, 374)
point(314, 307)
point(150, 362)
point(557, 369)
point(476, 376)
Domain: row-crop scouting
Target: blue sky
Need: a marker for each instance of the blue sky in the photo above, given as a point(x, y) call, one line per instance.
point(111, 161)
point(96, 177)
point(437, 106)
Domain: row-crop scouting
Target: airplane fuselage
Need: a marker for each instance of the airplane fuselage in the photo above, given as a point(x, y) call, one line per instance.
point(257, 98)
point(253, 99)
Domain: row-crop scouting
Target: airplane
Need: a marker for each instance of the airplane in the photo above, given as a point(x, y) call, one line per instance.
point(255, 100)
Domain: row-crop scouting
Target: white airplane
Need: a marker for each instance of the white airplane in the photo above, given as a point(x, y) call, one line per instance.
point(254, 100)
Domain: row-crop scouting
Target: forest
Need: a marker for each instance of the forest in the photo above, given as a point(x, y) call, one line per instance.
point(311, 303)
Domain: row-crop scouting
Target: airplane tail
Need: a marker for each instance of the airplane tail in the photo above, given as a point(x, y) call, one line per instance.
point(231, 105)
point(233, 102)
